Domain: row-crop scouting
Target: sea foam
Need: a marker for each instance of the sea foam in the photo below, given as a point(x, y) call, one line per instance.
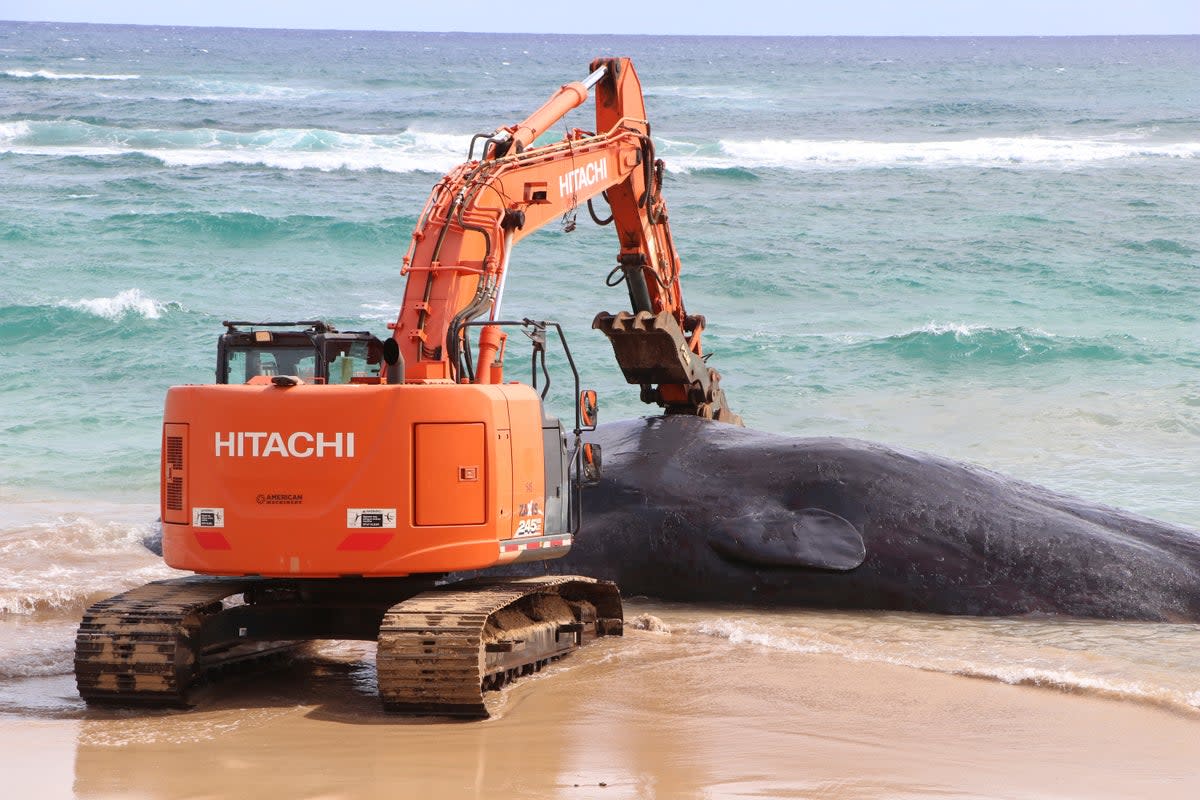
point(437, 152)
point(1020, 659)
point(56, 560)
point(280, 148)
point(48, 75)
point(1028, 151)
point(128, 302)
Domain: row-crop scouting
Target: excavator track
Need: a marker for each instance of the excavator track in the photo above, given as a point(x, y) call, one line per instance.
point(440, 650)
point(149, 646)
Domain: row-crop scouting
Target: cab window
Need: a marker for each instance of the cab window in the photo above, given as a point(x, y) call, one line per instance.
point(245, 363)
point(349, 360)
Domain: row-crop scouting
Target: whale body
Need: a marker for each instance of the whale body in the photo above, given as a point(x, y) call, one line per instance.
point(692, 510)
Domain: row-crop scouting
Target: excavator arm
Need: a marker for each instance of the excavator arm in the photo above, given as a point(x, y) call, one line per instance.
point(458, 260)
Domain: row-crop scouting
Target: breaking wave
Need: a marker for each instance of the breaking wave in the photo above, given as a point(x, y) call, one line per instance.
point(414, 151)
point(946, 343)
point(212, 90)
point(48, 75)
point(45, 648)
point(971, 658)
point(58, 562)
point(89, 316)
point(281, 148)
point(1026, 151)
point(123, 304)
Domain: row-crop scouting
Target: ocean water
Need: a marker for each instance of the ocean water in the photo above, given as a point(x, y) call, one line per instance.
point(984, 248)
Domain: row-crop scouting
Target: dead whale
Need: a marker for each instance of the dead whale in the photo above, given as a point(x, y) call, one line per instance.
point(696, 511)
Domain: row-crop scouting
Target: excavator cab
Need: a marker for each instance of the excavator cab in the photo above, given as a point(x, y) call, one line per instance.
point(313, 351)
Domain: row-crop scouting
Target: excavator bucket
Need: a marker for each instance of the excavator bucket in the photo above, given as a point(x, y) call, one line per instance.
point(650, 348)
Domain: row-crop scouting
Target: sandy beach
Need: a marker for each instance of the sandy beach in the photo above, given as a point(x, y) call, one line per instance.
point(652, 715)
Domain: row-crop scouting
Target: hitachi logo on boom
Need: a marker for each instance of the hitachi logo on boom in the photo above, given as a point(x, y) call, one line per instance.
point(260, 444)
point(576, 179)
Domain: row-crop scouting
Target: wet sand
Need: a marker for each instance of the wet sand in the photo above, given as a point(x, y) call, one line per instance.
point(653, 715)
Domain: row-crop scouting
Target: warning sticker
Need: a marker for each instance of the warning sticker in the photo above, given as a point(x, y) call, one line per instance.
point(208, 517)
point(370, 517)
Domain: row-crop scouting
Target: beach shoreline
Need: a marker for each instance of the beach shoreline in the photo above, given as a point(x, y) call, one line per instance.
point(647, 716)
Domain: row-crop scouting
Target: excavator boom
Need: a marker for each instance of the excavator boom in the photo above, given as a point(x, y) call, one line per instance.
point(460, 252)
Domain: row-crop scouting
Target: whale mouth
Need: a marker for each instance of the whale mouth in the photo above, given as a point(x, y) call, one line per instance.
point(811, 538)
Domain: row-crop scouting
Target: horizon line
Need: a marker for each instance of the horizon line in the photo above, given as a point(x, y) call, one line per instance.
point(603, 33)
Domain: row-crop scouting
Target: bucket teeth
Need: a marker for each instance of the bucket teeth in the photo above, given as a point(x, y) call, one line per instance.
point(651, 350)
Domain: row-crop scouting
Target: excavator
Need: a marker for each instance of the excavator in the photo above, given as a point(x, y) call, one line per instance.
point(328, 482)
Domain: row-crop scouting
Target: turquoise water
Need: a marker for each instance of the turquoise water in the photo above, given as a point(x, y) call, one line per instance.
point(985, 248)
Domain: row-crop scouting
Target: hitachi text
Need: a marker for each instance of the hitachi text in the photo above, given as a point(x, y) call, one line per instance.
point(301, 444)
point(585, 176)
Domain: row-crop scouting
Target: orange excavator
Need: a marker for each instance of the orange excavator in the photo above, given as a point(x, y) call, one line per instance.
point(328, 481)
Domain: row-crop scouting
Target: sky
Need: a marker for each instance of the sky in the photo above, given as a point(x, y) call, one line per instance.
point(697, 17)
